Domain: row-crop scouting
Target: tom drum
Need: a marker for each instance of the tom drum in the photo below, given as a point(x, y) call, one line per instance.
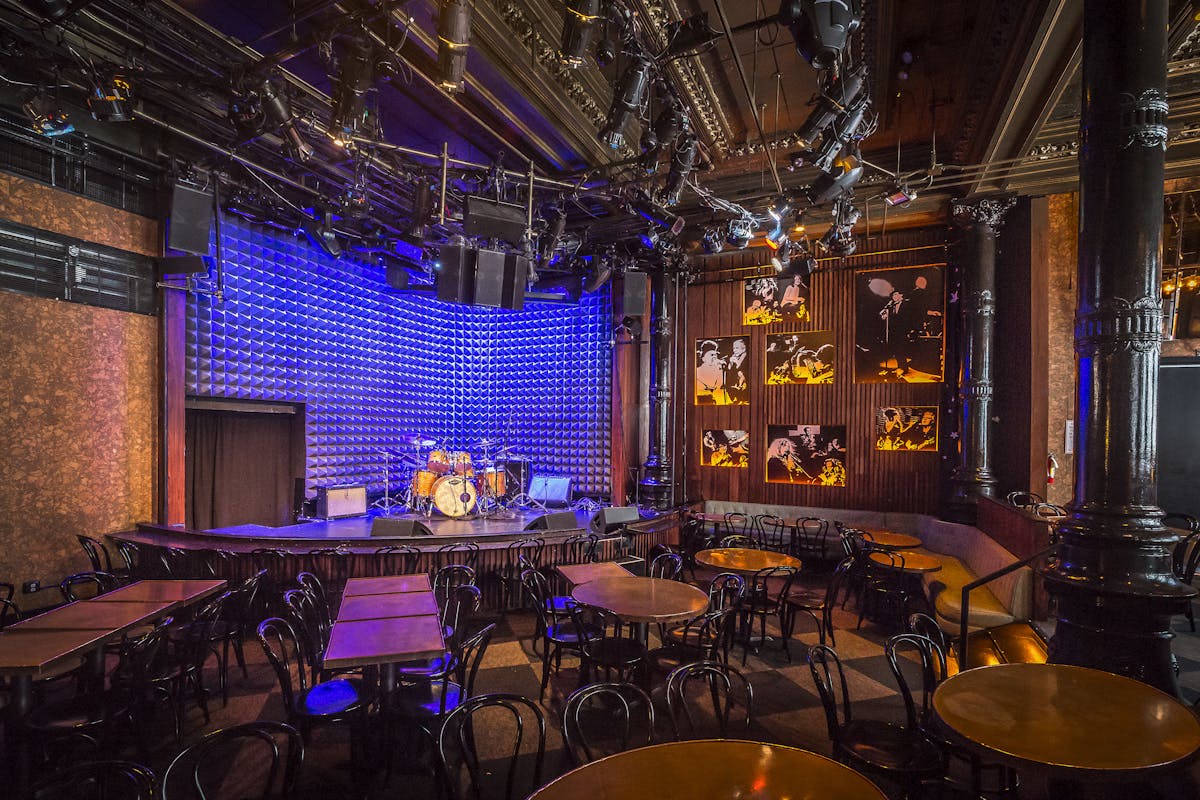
point(461, 462)
point(491, 482)
point(423, 481)
point(454, 496)
point(439, 462)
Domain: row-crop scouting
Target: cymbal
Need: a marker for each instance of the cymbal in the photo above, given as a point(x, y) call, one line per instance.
point(425, 443)
point(487, 442)
point(411, 439)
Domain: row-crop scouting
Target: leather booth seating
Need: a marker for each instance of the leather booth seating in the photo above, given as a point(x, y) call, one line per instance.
point(965, 553)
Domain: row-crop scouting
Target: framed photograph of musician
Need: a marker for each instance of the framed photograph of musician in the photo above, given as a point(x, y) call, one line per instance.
point(783, 298)
point(909, 428)
point(812, 455)
point(723, 371)
point(725, 449)
point(800, 357)
point(899, 316)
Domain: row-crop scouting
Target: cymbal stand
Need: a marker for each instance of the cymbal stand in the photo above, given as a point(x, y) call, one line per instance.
point(386, 502)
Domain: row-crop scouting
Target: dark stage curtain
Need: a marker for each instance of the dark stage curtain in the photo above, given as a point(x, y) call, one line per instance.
point(238, 469)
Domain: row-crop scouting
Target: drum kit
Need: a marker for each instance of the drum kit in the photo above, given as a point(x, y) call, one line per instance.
point(456, 483)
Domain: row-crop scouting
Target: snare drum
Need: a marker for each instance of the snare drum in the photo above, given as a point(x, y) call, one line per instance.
point(439, 462)
point(454, 496)
point(491, 481)
point(422, 483)
point(461, 460)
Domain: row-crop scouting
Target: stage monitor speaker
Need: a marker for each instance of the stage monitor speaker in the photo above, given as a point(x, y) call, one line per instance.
point(550, 489)
point(609, 519)
point(635, 293)
point(341, 501)
point(491, 219)
point(456, 276)
point(386, 526)
point(191, 220)
point(557, 521)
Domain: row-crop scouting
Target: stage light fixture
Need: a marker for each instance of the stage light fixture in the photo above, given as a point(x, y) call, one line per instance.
point(277, 114)
point(606, 52)
point(839, 92)
point(627, 101)
point(579, 23)
point(601, 273)
point(842, 177)
point(355, 76)
point(713, 241)
point(841, 133)
point(556, 224)
point(777, 237)
point(683, 161)
point(839, 239)
point(668, 125)
point(650, 238)
point(739, 232)
point(689, 34)
point(45, 116)
point(319, 230)
point(454, 37)
point(820, 28)
point(111, 98)
point(418, 227)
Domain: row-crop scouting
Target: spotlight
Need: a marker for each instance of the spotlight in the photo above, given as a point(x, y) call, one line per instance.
point(45, 117)
point(843, 131)
point(682, 163)
point(739, 232)
point(777, 238)
point(650, 238)
point(669, 123)
point(820, 28)
point(655, 214)
point(837, 95)
point(418, 227)
point(839, 239)
point(606, 52)
point(900, 195)
point(579, 22)
point(600, 274)
point(712, 242)
point(277, 114)
point(454, 37)
point(831, 185)
point(319, 230)
point(355, 76)
point(111, 98)
point(627, 101)
point(555, 225)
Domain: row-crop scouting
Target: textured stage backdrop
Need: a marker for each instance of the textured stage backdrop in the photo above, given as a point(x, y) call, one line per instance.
point(370, 363)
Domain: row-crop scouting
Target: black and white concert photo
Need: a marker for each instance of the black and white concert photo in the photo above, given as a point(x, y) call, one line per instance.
point(725, 449)
point(800, 357)
point(898, 325)
point(806, 454)
point(723, 371)
point(785, 298)
point(907, 428)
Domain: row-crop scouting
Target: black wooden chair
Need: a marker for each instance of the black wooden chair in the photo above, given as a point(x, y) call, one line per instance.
point(811, 540)
point(886, 587)
point(98, 555)
point(705, 638)
point(818, 606)
point(668, 566)
point(462, 553)
point(508, 719)
point(738, 540)
point(519, 556)
point(269, 756)
point(901, 754)
point(605, 645)
point(396, 559)
point(690, 690)
point(83, 585)
point(764, 597)
point(725, 590)
point(773, 532)
point(736, 524)
point(606, 718)
point(97, 780)
point(554, 630)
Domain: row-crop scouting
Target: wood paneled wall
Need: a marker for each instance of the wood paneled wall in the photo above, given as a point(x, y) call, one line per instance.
point(891, 481)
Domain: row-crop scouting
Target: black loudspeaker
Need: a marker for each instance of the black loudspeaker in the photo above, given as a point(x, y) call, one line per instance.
point(500, 279)
point(456, 276)
point(609, 519)
point(385, 526)
point(558, 521)
point(191, 220)
point(491, 219)
point(519, 474)
point(635, 293)
point(182, 265)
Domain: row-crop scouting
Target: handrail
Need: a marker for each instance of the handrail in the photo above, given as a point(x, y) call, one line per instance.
point(975, 584)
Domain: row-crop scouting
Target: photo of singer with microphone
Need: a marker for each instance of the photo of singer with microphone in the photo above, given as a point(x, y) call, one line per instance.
point(723, 371)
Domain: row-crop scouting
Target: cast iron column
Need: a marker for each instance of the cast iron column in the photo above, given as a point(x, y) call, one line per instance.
point(1112, 576)
point(656, 478)
point(972, 477)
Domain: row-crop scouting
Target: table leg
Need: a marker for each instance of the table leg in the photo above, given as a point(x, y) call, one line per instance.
point(18, 741)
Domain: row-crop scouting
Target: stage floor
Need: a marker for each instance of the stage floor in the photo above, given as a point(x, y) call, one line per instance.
point(350, 528)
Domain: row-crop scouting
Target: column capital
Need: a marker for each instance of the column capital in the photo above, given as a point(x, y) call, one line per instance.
point(988, 210)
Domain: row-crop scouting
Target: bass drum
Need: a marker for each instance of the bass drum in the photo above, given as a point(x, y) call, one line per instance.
point(454, 496)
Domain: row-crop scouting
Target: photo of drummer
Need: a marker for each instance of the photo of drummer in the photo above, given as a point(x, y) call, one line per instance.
point(800, 357)
point(723, 371)
point(806, 454)
point(725, 449)
point(912, 428)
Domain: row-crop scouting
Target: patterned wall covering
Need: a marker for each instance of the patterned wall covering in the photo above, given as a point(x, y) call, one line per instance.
point(371, 363)
point(1062, 265)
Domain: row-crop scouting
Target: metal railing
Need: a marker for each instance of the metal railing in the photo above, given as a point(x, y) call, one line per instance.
point(975, 584)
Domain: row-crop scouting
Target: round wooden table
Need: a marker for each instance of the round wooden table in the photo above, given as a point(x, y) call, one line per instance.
point(913, 562)
point(1067, 719)
point(745, 560)
point(644, 599)
point(890, 540)
point(721, 768)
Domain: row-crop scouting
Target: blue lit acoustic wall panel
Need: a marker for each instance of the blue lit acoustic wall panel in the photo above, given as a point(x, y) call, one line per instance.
point(369, 363)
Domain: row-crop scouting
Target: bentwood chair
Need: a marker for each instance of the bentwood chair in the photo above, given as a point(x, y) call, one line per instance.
point(773, 533)
point(268, 755)
point(705, 638)
point(606, 718)
point(668, 566)
point(818, 606)
point(902, 754)
point(97, 780)
point(812, 537)
point(396, 559)
point(83, 585)
point(519, 556)
point(604, 646)
point(98, 555)
point(508, 719)
point(693, 687)
point(736, 524)
point(765, 594)
point(555, 630)
point(462, 553)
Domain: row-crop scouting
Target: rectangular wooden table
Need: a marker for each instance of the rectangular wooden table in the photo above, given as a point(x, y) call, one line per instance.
point(177, 591)
point(577, 574)
point(385, 621)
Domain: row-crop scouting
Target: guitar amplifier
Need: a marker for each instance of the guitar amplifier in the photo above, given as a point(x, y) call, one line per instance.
point(341, 501)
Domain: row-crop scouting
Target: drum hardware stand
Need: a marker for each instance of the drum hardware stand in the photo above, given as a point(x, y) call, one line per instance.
point(386, 503)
